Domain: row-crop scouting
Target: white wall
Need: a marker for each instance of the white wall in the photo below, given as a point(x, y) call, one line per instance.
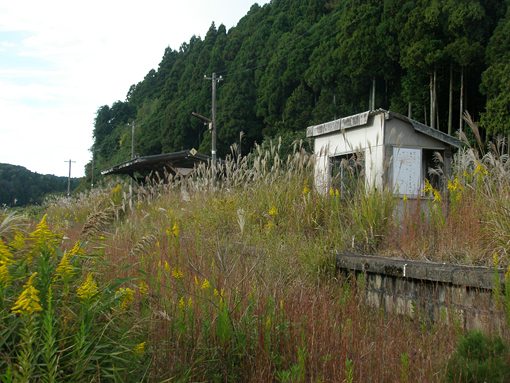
point(367, 140)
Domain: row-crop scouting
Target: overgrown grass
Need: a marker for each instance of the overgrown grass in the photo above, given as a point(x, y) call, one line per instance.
point(189, 283)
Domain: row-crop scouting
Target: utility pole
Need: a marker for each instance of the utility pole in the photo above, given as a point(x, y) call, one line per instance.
point(132, 153)
point(213, 149)
point(132, 139)
point(131, 185)
point(93, 166)
point(69, 179)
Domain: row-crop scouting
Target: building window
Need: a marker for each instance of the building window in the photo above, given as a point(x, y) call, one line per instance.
point(347, 173)
point(430, 161)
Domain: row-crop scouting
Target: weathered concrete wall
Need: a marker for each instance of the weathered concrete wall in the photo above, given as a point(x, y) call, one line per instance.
point(432, 290)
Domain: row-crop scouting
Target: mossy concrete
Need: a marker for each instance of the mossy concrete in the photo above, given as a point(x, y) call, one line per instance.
point(429, 291)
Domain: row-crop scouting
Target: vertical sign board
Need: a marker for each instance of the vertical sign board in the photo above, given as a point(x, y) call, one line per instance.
point(407, 171)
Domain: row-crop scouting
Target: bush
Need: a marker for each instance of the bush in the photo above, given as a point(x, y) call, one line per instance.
point(479, 358)
point(58, 320)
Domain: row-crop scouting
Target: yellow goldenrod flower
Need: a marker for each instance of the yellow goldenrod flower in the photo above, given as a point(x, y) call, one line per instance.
point(306, 190)
point(181, 303)
point(205, 285)
point(495, 259)
point(5, 254)
point(140, 348)
point(42, 231)
point(437, 195)
point(175, 229)
point(127, 297)
point(273, 211)
point(5, 277)
point(76, 250)
point(281, 305)
point(18, 242)
point(405, 198)
point(43, 237)
point(28, 301)
point(42, 228)
point(337, 193)
point(196, 281)
point(117, 188)
point(88, 289)
point(190, 302)
point(177, 274)
point(331, 192)
point(216, 292)
point(64, 269)
point(480, 168)
point(428, 186)
point(451, 185)
point(143, 287)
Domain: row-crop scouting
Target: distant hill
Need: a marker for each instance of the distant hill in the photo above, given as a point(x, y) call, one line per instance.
point(19, 186)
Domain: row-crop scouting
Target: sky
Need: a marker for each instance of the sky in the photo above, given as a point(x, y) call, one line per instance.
point(62, 60)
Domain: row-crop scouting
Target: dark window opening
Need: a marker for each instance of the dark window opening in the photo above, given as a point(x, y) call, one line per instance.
point(430, 161)
point(347, 173)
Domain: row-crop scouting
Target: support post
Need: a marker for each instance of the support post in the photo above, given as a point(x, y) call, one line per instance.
point(213, 149)
point(93, 167)
point(69, 178)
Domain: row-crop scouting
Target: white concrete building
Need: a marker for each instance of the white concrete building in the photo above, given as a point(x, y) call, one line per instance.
point(385, 148)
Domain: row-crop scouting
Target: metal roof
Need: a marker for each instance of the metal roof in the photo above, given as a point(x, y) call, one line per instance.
point(362, 119)
point(181, 163)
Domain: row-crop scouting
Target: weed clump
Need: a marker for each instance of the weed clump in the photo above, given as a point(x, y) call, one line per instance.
point(479, 358)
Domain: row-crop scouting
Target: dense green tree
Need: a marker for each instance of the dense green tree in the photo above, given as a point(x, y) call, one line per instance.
point(19, 186)
point(496, 80)
point(291, 63)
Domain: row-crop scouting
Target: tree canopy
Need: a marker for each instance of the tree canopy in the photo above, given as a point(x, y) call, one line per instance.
point(19, 186)
point(293, 63)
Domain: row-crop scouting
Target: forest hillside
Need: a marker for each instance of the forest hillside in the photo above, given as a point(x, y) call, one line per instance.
point(19, 186)
point(293, 63)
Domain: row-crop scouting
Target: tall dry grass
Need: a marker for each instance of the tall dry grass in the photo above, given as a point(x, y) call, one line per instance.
point(238, 282)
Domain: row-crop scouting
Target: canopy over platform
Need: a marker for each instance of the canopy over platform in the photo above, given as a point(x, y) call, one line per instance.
point(158, 166)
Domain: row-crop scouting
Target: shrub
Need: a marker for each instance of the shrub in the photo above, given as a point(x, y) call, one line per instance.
point(58, 319)
point(479, 358)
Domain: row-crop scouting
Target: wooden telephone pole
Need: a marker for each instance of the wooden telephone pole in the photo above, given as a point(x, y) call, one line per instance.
point(69, 179)
point(213, 149)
